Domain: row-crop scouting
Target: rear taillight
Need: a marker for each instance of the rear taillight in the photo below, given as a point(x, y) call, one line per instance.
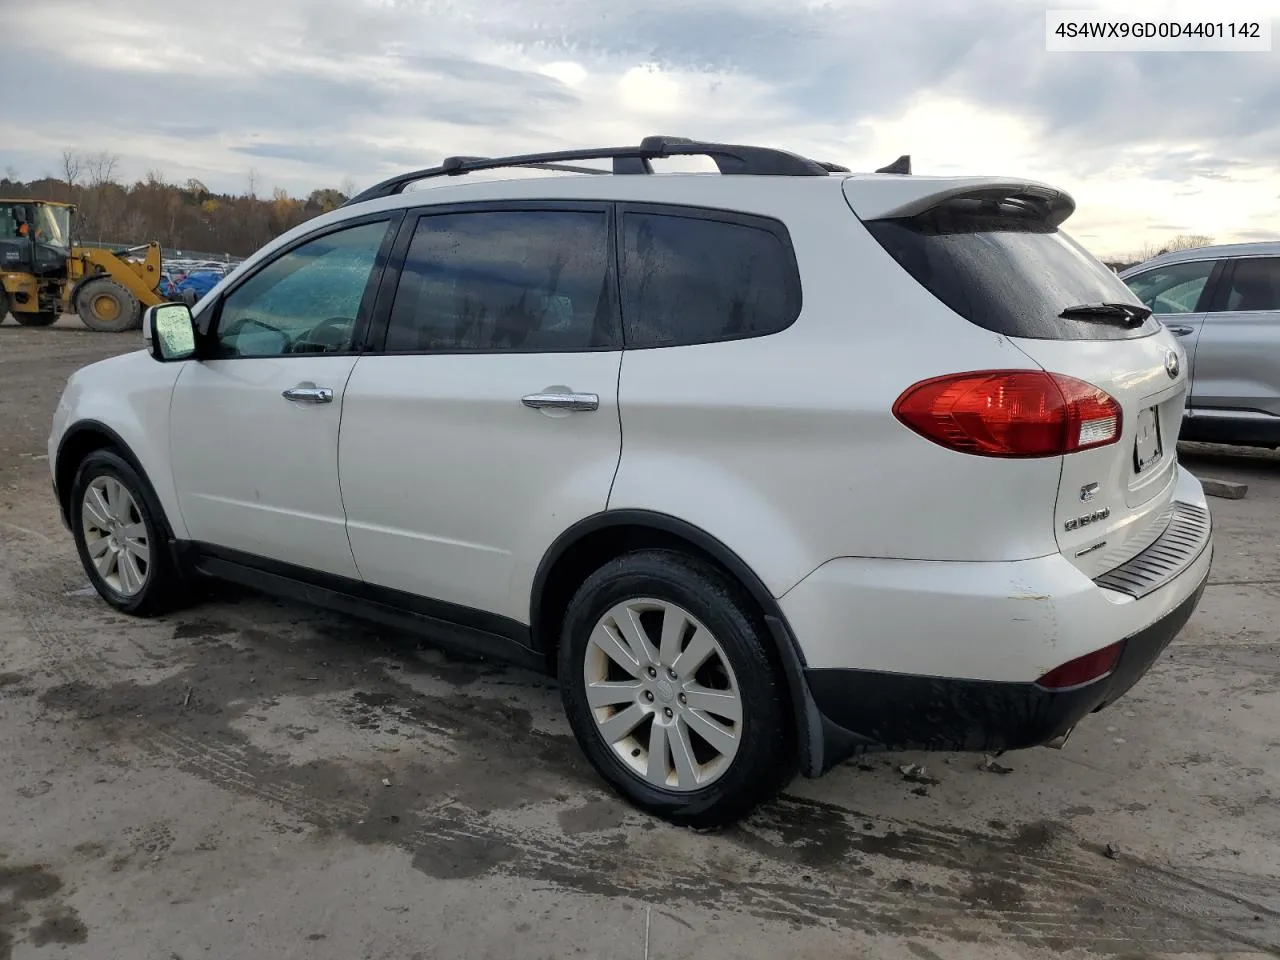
point(1011, 413)
point(1082, 670)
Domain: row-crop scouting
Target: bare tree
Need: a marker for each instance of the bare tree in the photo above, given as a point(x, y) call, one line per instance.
point(1188, 241)
point(101, 167)
point(11, 173)
point(347, 188)
point(72, 166)
point(1181, 241)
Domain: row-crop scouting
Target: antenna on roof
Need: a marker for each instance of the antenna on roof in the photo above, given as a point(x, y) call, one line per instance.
point(902, 166)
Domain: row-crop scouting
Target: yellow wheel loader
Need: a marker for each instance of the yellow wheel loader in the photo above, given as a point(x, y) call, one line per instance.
point(44, 275)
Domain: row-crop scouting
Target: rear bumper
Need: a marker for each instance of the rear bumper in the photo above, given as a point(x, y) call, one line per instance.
point(946, 655)
point(865, 707)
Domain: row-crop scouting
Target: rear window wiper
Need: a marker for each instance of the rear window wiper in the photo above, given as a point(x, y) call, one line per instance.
point(1132, 314)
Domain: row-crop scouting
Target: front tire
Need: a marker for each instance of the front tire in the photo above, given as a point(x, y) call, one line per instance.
point(106, 306)
point(122, 537)
point(668, 685)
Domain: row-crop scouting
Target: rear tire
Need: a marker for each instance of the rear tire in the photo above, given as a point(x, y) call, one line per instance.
point(726, 691)
point(123, 538)
point(37, 319)
point(106, 306)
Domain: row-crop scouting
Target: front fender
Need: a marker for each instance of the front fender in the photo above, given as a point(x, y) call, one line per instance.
point(121, 402)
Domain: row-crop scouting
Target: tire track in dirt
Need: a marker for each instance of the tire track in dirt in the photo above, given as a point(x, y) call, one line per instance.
point(796, 861)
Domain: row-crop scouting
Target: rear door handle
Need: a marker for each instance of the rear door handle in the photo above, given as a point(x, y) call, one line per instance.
point(308, 393)
point(582, 402)
point(1181, 331)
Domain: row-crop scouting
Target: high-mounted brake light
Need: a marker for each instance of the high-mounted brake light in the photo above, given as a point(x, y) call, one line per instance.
point(1011, 413)
point(1082, 670)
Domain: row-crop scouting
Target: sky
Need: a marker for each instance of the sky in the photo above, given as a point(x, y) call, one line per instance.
point(312, 93)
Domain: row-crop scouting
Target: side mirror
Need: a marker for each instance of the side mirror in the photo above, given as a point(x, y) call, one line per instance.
point(170, 331)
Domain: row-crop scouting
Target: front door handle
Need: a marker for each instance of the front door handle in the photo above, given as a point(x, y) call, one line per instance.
point(308, 393)
point(1181, 331)
point(582, 402)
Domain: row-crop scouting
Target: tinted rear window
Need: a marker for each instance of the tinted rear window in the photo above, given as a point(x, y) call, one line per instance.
point(691, 279)
point(1255, 284)
point(1011, 274)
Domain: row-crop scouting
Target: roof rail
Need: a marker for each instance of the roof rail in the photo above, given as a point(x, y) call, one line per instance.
point(729, 159)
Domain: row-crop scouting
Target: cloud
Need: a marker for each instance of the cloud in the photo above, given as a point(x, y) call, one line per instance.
point(312, 91)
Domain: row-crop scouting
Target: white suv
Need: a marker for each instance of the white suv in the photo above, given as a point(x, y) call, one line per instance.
point(770, 467)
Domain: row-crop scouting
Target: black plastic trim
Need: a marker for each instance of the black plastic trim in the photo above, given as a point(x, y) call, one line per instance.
point(1186, 536)
point(399, 251)
point(811, 735)
point(1214, 290)
point(911, 712)
point(1242, 432)
point(1223, 275)
point(463, 629)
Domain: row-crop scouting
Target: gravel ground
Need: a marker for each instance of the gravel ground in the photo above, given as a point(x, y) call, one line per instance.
point(253, 778)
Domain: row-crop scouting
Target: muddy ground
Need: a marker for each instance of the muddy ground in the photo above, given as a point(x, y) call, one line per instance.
point(258, 779)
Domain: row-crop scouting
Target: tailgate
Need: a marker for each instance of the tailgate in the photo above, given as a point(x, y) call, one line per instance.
point(1115, 501)
point(993, 251)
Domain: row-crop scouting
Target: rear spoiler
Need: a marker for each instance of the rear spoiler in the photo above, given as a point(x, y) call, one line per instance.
point(885, 198)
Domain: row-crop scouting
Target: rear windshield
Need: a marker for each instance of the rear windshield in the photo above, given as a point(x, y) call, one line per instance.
point(1009, 273)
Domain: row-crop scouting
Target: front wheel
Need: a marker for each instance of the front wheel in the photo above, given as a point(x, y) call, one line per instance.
point(122, 538)
point(669, 687)
point(106, 306)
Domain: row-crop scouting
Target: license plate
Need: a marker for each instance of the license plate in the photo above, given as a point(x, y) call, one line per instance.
point(1147, 448)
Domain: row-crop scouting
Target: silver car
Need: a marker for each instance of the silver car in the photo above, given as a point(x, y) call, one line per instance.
point(1224, 302)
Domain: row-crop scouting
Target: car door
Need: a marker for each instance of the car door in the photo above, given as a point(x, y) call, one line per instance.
point(1237, 359)
point(1179, 294)
point(484, 420)
point(254, 422)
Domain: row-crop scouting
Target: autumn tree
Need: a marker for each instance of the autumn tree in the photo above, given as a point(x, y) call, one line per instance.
point(189, 216)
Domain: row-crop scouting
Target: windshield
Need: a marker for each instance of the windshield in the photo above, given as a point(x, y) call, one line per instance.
point(53, 225)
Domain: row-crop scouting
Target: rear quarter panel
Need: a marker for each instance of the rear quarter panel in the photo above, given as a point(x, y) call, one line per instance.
point(785, 447)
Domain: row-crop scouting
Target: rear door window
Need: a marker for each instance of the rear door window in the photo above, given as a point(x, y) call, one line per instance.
point(506, 281)
point(1254, 286)
point(1008, 272)
point(1172, 289)
point(692, 276)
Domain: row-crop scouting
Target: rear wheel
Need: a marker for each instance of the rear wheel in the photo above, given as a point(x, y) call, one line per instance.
point(670, 690)
point(37, 319)
point(108, 307)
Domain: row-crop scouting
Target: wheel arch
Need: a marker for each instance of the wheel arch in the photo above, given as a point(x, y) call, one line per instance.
point(80, 440)
point(595, 540)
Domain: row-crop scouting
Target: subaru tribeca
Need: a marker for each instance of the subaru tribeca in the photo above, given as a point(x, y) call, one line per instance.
point(770, 467)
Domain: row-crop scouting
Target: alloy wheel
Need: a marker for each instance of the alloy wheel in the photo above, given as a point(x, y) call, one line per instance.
point(663, 694)
point(115, 536)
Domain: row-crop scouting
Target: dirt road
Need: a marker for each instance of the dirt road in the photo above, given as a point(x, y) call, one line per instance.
point(257, 779)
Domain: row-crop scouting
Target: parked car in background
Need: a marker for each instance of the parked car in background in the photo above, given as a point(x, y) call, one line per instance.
point(199, 282)
point(1224, 304)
